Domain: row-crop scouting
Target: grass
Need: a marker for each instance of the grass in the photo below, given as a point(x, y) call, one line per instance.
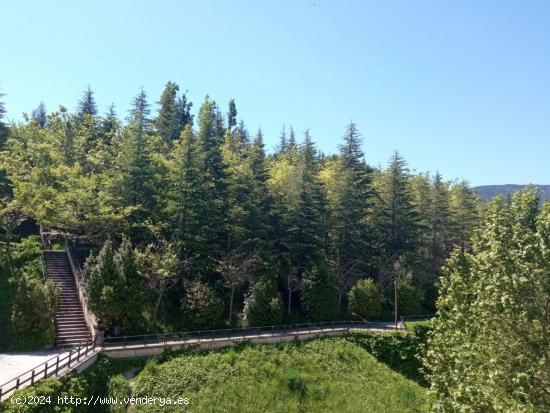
point(323, 375)
point(412, 324)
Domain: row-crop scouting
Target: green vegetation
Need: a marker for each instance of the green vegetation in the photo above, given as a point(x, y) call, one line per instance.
point(490, 348)
point(321, 375)
point(364, 300)
point(24, 326)
point(207, 218)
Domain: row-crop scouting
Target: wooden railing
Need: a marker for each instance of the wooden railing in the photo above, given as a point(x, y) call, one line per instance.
point(51, 367)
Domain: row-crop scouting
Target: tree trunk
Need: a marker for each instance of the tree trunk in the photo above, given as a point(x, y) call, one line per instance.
point(395, 299)
point(289, 299)
point(157, 305)
point(231, 304)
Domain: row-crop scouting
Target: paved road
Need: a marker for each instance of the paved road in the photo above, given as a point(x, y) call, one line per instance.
point(15, 364)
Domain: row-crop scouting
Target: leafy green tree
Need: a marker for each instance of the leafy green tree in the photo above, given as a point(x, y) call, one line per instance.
point(364, 299)
point(32, 325)
point(202, 308)
point(162, 269)
point(231, 115)
point(263, 305)
point(489, 350)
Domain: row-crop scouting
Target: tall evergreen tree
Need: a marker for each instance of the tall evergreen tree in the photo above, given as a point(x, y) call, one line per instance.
point(140, 111)
point(231, 115)
point(109, 125)
point(39, 115)
point(439, 222)
point(167, 122)
point(87, 105)
point(3, 127)
point(464, 215)
point(352, 246)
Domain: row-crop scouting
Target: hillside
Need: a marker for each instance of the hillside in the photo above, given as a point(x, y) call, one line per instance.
point(489, 191)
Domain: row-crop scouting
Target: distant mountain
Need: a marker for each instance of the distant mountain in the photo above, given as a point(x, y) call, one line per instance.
point(489, 191)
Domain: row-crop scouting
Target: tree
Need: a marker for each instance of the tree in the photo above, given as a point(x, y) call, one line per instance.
point(32, 324)
point(87, 105)
point(439, 222)
point(231, 115)
point(263, 305)
point(161, 267)
point(489, 350)
point(352, 235)
point(318, 294)
point(3, 127)
point(113, 286)
point(464, 215)
point(140, 111)
point(364, 299)
point(39, 115)
point(109, 125)
point(167, 122)
point(202, 308)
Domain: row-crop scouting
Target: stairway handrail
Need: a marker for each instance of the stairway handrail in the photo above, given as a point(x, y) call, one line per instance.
point(35, 376)
point(78, 274)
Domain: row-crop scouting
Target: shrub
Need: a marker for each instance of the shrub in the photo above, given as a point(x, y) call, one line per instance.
point(409, 299)
point(32, 324)
point(364, 299)
point(262, 305)
point(119, 388)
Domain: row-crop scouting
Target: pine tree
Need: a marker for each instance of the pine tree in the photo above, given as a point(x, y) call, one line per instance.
point(464, 215)
point(87, 105)
point(183, 113)
point(3, 127)
point(39, 115)
point(167, 122)
point(231, 115)
point(283, 143)
point(439, 222)
point(139, 113)
point(352, 247)
point(109, 125)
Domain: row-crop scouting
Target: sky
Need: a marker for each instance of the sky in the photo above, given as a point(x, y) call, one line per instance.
point(462, 87)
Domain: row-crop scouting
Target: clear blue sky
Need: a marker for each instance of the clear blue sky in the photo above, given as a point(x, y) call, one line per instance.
point(462, 87)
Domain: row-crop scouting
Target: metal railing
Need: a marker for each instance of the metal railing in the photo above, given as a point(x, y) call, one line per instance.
point(51, 367)
point(236, 333)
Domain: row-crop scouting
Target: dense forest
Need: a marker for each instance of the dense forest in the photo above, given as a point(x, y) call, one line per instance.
point(188, 223)
point(193, 225)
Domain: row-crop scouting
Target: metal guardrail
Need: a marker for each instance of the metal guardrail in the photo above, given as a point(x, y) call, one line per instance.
point(50, 367)
point(231, 333)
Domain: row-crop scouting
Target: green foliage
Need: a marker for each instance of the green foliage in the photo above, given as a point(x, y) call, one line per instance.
point(262, 305)
point(113, 285)
point(119, 388)
point(489, 350)
point(323, 375)
point(202, 308)
point(364, 299)
point(409, 298)
point(319, 294)
point(401, 351)
point(32, 325)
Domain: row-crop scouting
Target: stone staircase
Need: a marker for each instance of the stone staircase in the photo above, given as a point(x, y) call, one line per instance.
point(70, 325)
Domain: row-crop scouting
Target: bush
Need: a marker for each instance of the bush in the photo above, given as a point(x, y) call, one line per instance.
point(319, 297)
point(34, 307)
point(262, 305)
point(364, 299)
point(409, 299)
point(202, 308)
point(119, 388)
point(402, 352)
